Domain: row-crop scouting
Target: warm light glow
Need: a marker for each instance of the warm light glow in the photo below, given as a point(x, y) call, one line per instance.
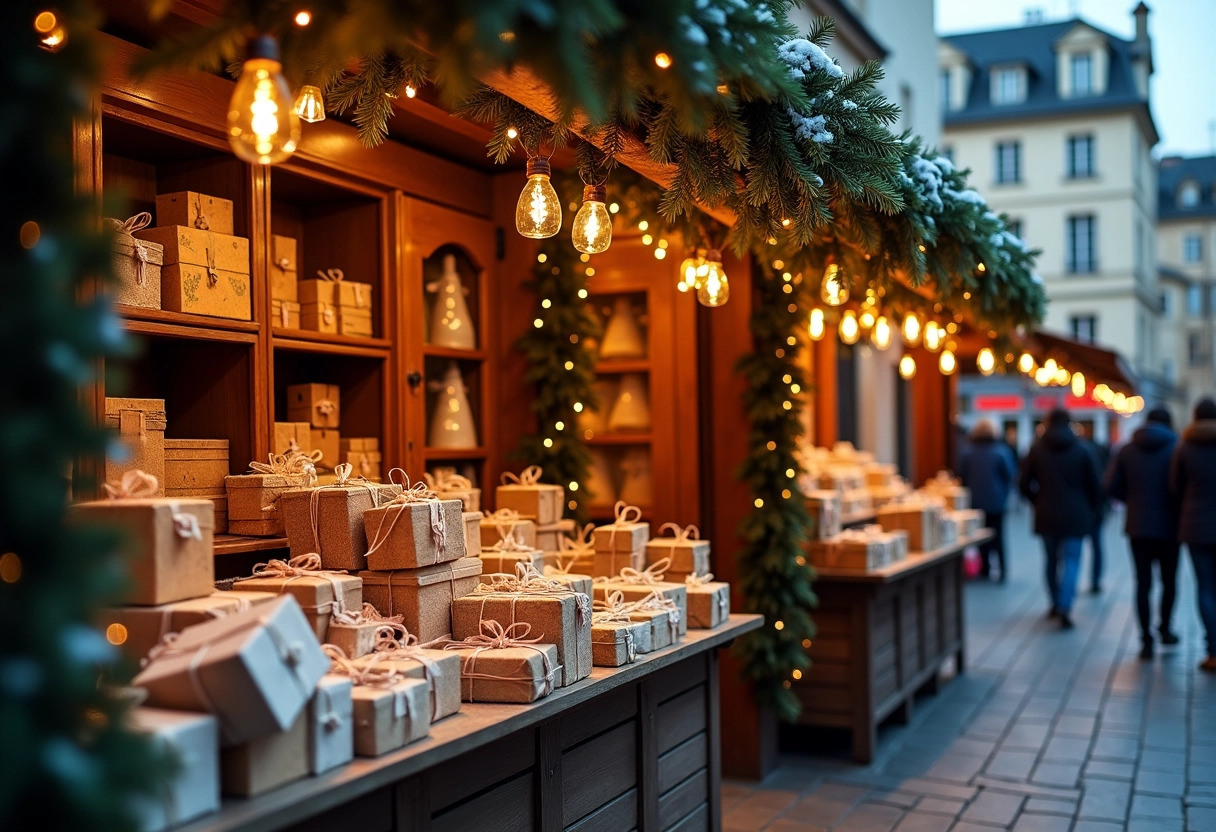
point(613, 208)
point(1063, 377)
point(310, 106)
point(1135, 404)
point(911, 329)
point(263, 127)
point(1119, 402)
point(947, 363)
point(778, 625)
point(647, 239)
point(834, 289)
point(1042, 377)
point(907, 367)
point(1026, 363)
point(797, 674)
point(1051, 367)
point(10, 567)
point(714, 290)
point(880, 335)
point(592, 231)
point(410, 92)
point(116, 634)
point(538, 213)
point(818, 325)
point(867, 319)
point(662, 60)
point(982, 267)
point(849, 329)
point(933, 336)
point(985, 361)
point(643, 225)
point(660, 253)
point(512, 133)
point(1078, 384)
point(303, 18)
point(52, 34)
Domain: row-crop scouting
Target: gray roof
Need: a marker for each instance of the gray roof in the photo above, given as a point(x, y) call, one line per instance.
point(1033, 47)
point(1172, 172)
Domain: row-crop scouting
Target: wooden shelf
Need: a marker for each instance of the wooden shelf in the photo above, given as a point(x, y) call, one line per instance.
point(169, 329)
point(432, 351)
point(454, 453)
point(619, 439)
point(622, 365)
point(317, 342)
point(164, 316)
point(232, 544)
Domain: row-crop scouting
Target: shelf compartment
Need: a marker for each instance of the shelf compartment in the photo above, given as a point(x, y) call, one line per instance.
point(183, 319)
point(360, 380)
point(308, 340)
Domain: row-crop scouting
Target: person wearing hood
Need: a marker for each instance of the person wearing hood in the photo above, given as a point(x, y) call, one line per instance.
point(1193, 483)
point(1139, 477)
point(1061, 481)
point(987, 468)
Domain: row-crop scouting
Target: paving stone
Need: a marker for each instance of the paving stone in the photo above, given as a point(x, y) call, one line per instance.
point(1027, 735)
point(870, 817)
point(957, 767)
point(1011, 765)
point(1160, 783)
point(1162, 808)
point(1075, 726)
point(941, 806)
point(1159, 760)
point(1115, 748)
point(1046, 805)
point(1099, 826)
point(1070, 749)
point(974, 827)
point(1110, 769)
point(759, 808)
point(1060, 775)
point(993, 807)
point(936, 788)
point(1029, 822)
point(1105, 800)
point(904, 800)
point(786, 825)
point(1200, 820)
point(920, 822)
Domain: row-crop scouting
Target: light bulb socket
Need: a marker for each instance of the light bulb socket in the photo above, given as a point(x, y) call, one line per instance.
point(714, 255)
point(594, 193)
point(263, 47)
point(539, 166)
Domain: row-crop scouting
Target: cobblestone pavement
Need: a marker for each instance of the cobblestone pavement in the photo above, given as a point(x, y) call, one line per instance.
point(1047, 731)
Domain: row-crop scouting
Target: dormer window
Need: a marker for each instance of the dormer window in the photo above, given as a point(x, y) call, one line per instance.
point(1009, 85)
point(1081, 74)
point(1188, 194)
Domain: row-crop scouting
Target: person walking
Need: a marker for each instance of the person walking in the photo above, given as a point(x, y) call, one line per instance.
point(987, 468)
point(1193, 484)
point(1061, 481)
point(1139, 477)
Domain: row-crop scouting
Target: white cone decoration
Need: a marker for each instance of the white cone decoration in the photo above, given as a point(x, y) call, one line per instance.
point(451, 323)
point(599, 480)
point(622, 338)
point(452, 420)
point(631, 411)
point(636, 485)
point(597, 420)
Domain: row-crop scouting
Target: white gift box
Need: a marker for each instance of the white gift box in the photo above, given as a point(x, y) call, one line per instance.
point(331, 727)
point(193, 790)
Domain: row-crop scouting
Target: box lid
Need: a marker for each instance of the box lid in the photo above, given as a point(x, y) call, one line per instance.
point(436, 573)
point(195, 444)
point(153, 410)
point(204, 509)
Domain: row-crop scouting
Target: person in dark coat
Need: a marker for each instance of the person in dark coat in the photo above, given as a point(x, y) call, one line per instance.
point(1060, 479)
point(1101, 454)
point(987, 468)
point(1193, 483)
point(1140, 478)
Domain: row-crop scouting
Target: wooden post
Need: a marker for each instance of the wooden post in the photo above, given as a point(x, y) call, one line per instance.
point(823, 382)
point(932, 398)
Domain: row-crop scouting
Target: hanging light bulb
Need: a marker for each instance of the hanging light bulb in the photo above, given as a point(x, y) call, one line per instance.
point(310, 106)
point(947, 363)
point(263, 128)
point(51, 34)
point(818, 324)
point(867, 319)
point(715, 289)
point(1063, 377)
point(1119, 401)
point(592, 232)
point(538, 213)
point(693, 270)
point(849, 329)
point(907, 367)
point(1051, 366)
point(880, 335)
point(933, 337)
point(985, 361)
point(1026, 363)
point(1078, 385)
point(911, 329)
point(834, 289)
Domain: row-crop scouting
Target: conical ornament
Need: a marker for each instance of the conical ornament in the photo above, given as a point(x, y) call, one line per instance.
point(451, 323)
point(622, 338)
point(597, 420)
point(631, 411)
point(637, 486)
point(452, 420)
point(599, 485)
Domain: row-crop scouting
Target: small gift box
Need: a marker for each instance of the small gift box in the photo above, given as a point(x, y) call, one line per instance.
point(627, 533)
point(192, 788)
point(253, 499)
point(195, 210)
point(317, 404)
point(255, 670)
point(319, 317)
point(880, 474)
point(414, 529)
point(331, 731)
point(571, 580)
point(440, 670)
point(920, 520)
point(708, 601)
point(638, 585)
point(264, 763)
point(358, 632)
point(328, 519)
point(824, 507)
point(168, 540)
point(136, 630)
point(616, 639)
point(284, 314)
point(353, 320)
point(496, 526)
point(508, 552)
point(947, 487)
point(472, 531)
point(331, 286)
point(449, 485)
point(205, 272)
point(198, 466)
point(615, 609)
point(526, 494)
point(947, 530)
point(575, 553)
point(969, 520)
point(684, 551)
point(137, 264)
point(292, 438)
point(284, 272)
point(502, 664)
point(141, 427)
point(390, 710)
point(423, 597)
point(663, 617)
point(549, 538)
point(319, 592)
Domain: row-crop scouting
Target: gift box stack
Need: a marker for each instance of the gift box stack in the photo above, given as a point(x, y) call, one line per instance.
point(205, 267)
point(884, 483)
point(197, 468)
point(284, 283)
point(509, 536)
point(292, 438)
point(542, 503)
point(449, 485)
point(867, 547)
point(824, 508)
point(330, 303)
point(620, 544)
point(921, 518)
point(362, 454)
point(319, 405)
point(253, 498)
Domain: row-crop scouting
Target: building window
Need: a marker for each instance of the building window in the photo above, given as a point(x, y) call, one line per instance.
point(1192, 248)
point(1081, 74)
point(1194, 349)
point(1008, 162)
point(1188, 194)
point(944, 88)
point(1081, 232)
point(1008, 86)
point(1194, 300)
point(1084, 328)
point(1080, 156)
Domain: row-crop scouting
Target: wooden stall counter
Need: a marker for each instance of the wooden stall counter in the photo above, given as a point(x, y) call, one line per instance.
point(636, 747)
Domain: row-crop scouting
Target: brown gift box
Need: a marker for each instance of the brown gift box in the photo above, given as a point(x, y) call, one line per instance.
point(319, 317)
point(824, 507)
point(253, 501)
point(449, 485)
point(267, 762)
point(627, 533)
point(284, 314)
point(326, 441)
point(686, 554)
point(354, 295)
point(315, 594)
point(283, 270)
point(367, 465)
point(186, 287)
point(358, 443)
point(194, 210)
point(678, 593)
point(354, 321)
point(169, 543)
point(137, 264)
point(574, 581)
point(440, 669)
point(559, 618)
point(549, 538)
point(920, 521)
point(504, 561)
point(287, 432)
point(529, 497)
point(399, 535)
point(202, 248)
point(708, 603)
point(472, 531)
point(136, 630)
point(355, 640)
point(514, 675)
point(318, 404)
point(141, 427)
point(319, 292)
point(198, 465)
point(389, 718)
point(422, 596)
point(496, 526)
point(338, 537)
point(610, 564)
point(662, 633)
point(615, 643)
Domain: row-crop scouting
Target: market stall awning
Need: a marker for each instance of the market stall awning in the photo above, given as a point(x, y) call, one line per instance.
point(1100, 366)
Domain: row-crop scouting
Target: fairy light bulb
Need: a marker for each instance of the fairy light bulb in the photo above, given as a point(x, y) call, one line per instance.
point(1026, 363)
point(985, 361)
point(1078, 384)
point(880, 335)
point(911, 329)
point(1050, 366)
point(1063, 377)
point(849, 329)
point(715, 289)
point(947, 363)
point(693, 270)
point(867, 319)
point(818, 325)
point(263, 128)
point(907, 367)
point(834, 289)
point(538, 214)
point(933, 336)
point(310, 105)
point(592, 232)
point(1042, 377)
point(1119, 401)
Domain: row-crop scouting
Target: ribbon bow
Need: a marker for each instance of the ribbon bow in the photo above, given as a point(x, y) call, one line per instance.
point(649, 576)
point(494, 636)
point(415, 493)
point(611, 609)
point(287, 465)
point(580, 544)
point(134, 485)
point(200, 219)
point(368, 674)
point(527, 581)
point(508, 540)
point(445, 479)
point(297, 567)
point(625, 514)
point(342, 471)
point(138, 250)
point(325, 407)
point(698, 580)
point(681, 534)
point(529, 476)
point(330, 275)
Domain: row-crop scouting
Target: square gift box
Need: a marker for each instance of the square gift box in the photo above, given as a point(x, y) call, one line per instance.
point(328, 520)
point(549, 538)
point(661, 617)
point(193, 787)
point(318, 404)
point(920, 520)
point(676, 594)
point(292, 437)
point(708, 602)
point(515, 672)
point(526, 494)
point(615, 643)
point(627, 533)
point(194, 210)
point(449, 485)
point(825, 508)
point(319, 592)
point(284, 314)
point(423, 597)
point(506, 523)
point(253, 499)
point(685, 553)
point(319, 317)
point(439, 668)
point(331, 731)
point(388, 718)
point(264, 763)
point(409, 532)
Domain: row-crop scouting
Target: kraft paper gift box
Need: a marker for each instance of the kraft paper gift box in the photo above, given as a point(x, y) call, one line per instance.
point(195, 210)
point(449, 485)
point(255, 670)
point(331, 729)
point(824, 507)
point(920, 521)
point(350, 444)
point(192, 790)
point(355, 640)
point(572, 580)
point(504, 560)
point(253, 502)
point(287, 433)
point(880, 474)
point(319, 317)
point(423, 597)
point(684, 551)
point(708, 602)
point(202, 248)
point(969, 520)
point(266, 762)
point(627, 533)
point(318, 404)
point(401, 534)
point(325, 440)
point(141, 427)
point(284, 272)
point(439, 668)
point(338, 536)
point(390, 718)
point(354, 321)
point(496, 526)
point(169, 543)
point(610, 564)
point(137, 264)
point(205, 272)
point(136, 630)
point(639, 592)
point(549, 538)
point(367, 464)
point(284, 314)
point(198, 465)
point(472, 531)
point(663, 632)
point(615, 643)
point(317, 592)
point(512, 675)
point(528, 496)
point(559, 618)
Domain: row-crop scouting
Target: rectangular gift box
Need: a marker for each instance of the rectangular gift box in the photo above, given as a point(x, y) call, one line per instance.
point(390, 718)
point(137, 267)
point(256, 670)
point(319, 317)
point(848, 553)
point(621, 537)
point(287, 432)
point(141, 427)
point(880, 474)
point(677, 593)
point(920, 521)
point(573, 581)
point(560, 618)
point(472, 531)
point(687, 557)
point(504, 562)
point(663, 633)
point(368, 466)
point(708, 604)
point(969, 520)
point(220, 293)
point(354, 295)
point(440, 669)
point(610, 564)
point(199, 465)
point(318, 404)
point(492, 531)
point(470, 498)
point(358, 443)
point(353, 320)
point(957, 497)
point(947, 530)
point(542, 502)
point(331, 730)
point(139, 629)
point(549, 537)
point(576, 563)
point(253, 502)
point(517, 675)
point(201, 248)
point(423, 596)
point(315, 291)
point(399, 535)
point(325, 440)
point(284, 270)
point(315, 594)
point(194, 210)
point(192, 789)
point(615, 643)
point(264, 763)
point(824, 507)
point(355, 640)
point(168, 543)
point(284, 314)
point(338, 537)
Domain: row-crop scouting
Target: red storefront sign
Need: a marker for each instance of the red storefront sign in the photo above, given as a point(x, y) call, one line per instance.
point(993, 402)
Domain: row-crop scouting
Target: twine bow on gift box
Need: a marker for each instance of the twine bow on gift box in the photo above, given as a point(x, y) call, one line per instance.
point(394, 642)
point(508, 540)
point(410, 494)
point(700, 581)
point(200, 219)
point(303, 566)
point(370, 673)
point(342, 471)
point(138, 250)
point(681, 534)
point(325, 407)
point(625, 516)
point(494, 636)
point(446, 479)
point(527, 581)
point(649, 576)
point(529, 476)
point(291, 466)
point(657, 602)
point(331, 275)
point(139, 485)
point(612, 609)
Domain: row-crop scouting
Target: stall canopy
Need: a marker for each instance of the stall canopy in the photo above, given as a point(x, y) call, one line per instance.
point(1100, 366)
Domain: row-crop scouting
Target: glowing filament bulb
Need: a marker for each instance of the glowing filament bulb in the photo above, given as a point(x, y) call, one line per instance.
point(592, 232)
point(880, 335)
point(818, 325)
point(933, 337)
point(310, 106)
point(985, 361)
point(1026, 363)
point(947, 363)
point(693, 271)
point(907, 367)
point(715, 288)
point(1078, 384)
point(538, 214)
point(911, 330)
point(263, 127)
point(835, 288)
point(867, 319)
point(849, 329)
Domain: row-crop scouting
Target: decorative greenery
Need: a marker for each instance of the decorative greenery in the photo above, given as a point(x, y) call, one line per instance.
point(66, 763)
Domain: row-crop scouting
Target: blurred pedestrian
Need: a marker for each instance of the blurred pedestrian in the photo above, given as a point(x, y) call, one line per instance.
point(1061, 481)
point(1193, 483)
point(1101, 455)
point(1139, 477)
point(987, 467)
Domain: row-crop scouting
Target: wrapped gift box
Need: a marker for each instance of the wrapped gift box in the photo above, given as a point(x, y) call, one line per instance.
point(626, 534)
point(948, 488)
point(615, 643)
point(284, 314)
point(338, 536)
point(284, 271)
point(559, 618)
point(205, 272)
point(685, 552)
point(367, 464)
point(325, 440)
point(500, 524)
point(402, 534)
point(355, 640)
point(439, 668)
point(331, 730)
point(350, 444)
point(287, 433)
point(856, 502)
point(253, 501)
point(571, 580)
point(880, 474)
point(196, 465)
point(970, 521)
point(897, 545)
point(330, 286)
point(264, 763)
point(168, 541)
point(354, 321)
point(841, 478)
point(509, 674)
point(676, 594)
point(193, 788)
point(549, 538)
point(141, 427)
point(201, 247)
point(531, 498)
point(919, 520)
point(423, 597)
point(194, 210)
point(664, 632)
point(708, 602)
point(142, 628)
point(449, 485)
point(615, 609)
point(824, 507)
point(947, 530)
point(317, 404)
point(504, 561)
point(315, 591)
point(390, 718)
point(611, 564)
point(137, 264)
point(472, 531)
point(255, 670)
point(319, 317)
